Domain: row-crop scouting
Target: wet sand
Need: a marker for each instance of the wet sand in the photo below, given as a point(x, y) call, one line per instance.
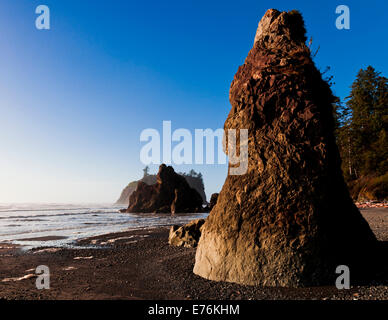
point(141, 265)
point(47, 238)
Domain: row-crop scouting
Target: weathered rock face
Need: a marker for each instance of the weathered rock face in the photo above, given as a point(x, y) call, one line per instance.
point(289, 221)
point(170, 194)
point(187, 235)
point(195, 181)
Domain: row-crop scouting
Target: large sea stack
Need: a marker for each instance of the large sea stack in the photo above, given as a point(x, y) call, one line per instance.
point(193, 178)
point(170, 194)
point(289, 220)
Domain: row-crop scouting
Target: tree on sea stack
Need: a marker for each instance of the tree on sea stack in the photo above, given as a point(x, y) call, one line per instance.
point(289, 220)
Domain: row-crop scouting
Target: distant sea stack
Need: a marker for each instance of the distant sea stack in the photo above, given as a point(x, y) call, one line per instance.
point(213, 200)
point(289, 221)
point(170, 194)
point(193, 178)
point(131, 187)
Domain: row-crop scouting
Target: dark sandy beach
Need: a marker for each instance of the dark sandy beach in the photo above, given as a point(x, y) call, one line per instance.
point(141, 265)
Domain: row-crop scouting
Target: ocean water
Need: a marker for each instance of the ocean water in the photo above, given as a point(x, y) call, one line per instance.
point(73, 222)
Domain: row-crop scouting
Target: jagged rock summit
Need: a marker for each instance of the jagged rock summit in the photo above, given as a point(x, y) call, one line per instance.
point(170, 194)
point(289, 220)
point(193, 178)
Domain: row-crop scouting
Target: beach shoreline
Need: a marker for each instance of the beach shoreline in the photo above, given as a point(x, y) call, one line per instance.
point(139, 264)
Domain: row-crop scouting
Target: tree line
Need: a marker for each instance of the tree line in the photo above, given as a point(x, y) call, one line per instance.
point(361, 133)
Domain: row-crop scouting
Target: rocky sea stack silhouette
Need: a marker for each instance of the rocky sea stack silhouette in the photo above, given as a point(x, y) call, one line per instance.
point(193, 178)
point(289, 221)
point(170, 194)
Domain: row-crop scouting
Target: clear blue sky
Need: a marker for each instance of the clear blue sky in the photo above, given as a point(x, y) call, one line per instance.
point(74, 99)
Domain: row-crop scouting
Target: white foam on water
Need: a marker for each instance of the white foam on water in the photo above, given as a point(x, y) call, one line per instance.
point(74, 222)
